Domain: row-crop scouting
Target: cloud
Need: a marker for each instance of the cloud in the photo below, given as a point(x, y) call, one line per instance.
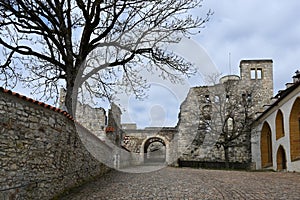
point(253, 30)
point(160, 108)
point(248, 29)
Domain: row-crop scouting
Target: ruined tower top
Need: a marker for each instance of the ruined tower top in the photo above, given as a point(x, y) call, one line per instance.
point(258, 74)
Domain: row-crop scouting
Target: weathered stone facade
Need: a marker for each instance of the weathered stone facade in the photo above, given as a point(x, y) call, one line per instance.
point(114, 129)
point(190, 139)
point(138, 141)
point(94, 119)
point(41, 153)
point(199, 144)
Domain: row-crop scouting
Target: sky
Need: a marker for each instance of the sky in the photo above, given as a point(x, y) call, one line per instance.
point(239, 29)
point(253, 29)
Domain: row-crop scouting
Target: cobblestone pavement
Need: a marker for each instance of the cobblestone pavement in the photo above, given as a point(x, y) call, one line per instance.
point(185, 183)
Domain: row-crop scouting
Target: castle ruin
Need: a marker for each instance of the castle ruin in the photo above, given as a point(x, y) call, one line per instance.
point(191, 139)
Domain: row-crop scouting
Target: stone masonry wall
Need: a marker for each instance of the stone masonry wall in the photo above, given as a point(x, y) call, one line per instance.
point(94, 119)
point(41, 154)
point(195, 144)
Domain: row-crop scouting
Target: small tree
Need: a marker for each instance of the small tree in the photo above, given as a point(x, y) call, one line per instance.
point(91, 44)
point(226, 112)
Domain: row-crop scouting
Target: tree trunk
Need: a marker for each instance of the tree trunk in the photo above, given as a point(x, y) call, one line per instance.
point(226, 152)
point(71, 97)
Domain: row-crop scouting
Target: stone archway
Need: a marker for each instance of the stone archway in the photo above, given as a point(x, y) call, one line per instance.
point(154, 150)
point(266, 146)
point(281, 158)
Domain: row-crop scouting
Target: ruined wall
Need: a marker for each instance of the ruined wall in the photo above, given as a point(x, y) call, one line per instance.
point(41, 153)
point(114, 131)
point(94, 119)
point(196, 143)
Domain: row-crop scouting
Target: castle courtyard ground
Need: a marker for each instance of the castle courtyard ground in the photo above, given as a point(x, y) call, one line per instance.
point(187, 183)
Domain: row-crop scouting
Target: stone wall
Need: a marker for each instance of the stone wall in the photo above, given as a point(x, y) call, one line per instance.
point(199, 144)
point(41, 154)
point(136, 140)
point(94, 119)
point(263, 87)
point(114, 132)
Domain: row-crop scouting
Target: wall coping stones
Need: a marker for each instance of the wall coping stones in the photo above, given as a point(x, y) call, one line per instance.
point(42, 104)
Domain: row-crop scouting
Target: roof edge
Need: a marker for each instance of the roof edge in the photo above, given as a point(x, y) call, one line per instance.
point(256, 61)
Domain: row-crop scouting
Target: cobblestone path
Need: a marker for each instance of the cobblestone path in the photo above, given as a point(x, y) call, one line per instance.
point(185, 183)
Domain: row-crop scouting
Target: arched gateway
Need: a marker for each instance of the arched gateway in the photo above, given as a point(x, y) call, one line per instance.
point(154, 150)
point(151, 144)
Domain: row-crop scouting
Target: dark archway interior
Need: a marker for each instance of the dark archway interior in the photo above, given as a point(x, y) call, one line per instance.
point(155, 150)
point(281, 159)
point(266, 146)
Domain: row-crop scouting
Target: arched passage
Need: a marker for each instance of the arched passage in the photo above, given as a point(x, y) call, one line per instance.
point(295, 130)
point(279, 125)
point(281, 158)
point(155, 150)
point(266, 146)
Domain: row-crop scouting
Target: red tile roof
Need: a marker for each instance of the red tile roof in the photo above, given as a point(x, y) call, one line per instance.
point(65, 113)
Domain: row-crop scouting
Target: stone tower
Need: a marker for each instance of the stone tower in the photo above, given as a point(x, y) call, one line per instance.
point(257, 75)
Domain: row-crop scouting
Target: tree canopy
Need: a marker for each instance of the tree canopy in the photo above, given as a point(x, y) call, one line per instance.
point(91, 44)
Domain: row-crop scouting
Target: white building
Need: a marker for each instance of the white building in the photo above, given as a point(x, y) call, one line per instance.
point(276, 132)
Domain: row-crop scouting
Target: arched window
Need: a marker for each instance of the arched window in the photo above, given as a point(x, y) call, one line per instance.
point(266, 146)
point(279, 125)
point(295, 130)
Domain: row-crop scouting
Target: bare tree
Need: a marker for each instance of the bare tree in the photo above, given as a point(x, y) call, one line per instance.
point(92, 44)
point(226, 113)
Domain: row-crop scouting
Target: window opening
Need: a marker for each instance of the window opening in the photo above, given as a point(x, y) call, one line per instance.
point(253, 74)
point(259, 74)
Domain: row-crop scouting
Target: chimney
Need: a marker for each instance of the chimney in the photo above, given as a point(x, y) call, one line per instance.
point(296, 78)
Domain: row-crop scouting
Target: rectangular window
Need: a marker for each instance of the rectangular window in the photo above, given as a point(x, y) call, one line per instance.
point(259, 74)
point(256, 74)
point(253, 74)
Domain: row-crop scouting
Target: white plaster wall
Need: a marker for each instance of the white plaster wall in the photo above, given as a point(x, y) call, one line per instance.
point(284, 141)
point(294, 166)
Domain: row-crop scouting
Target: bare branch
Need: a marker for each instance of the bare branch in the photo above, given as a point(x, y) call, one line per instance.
point(60, 36)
